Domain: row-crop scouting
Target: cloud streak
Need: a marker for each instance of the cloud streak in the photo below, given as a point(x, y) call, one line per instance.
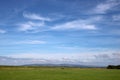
point(30, 26)
point(34, 16)
point(2, 31)
point(95, 59)
point(75, 25)
point(31, 42)
point(103, 8)
point(80, 24)
point(116, 17)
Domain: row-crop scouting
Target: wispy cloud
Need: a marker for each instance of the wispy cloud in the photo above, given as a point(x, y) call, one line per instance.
point(2, 31)
point(30, 26)
point(97, 59)
point(80, 24)
point(74, 25)
point(106, 6)
point(116, 17)
point(34, 16)
point(31, 42)
point(112, 58)
point(33, 25)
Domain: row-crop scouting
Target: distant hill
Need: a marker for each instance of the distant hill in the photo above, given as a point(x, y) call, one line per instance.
point(38, 62)
point(62, 65)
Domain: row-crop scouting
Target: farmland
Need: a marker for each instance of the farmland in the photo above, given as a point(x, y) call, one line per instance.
point(58, 73)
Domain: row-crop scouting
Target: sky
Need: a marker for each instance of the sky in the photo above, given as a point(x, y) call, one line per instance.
point(72, 31)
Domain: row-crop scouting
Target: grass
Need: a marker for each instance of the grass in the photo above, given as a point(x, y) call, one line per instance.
point(57, 73)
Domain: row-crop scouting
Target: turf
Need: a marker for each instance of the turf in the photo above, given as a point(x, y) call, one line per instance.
point(45, 73)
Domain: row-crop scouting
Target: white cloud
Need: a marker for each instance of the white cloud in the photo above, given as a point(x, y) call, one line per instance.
point(107, 59)
point(53, 56)
point(97, 59)
point(106, 6)
point(116, 17)
point(81, 24)
point(30, 26)
point(2, 31)
point(75, 25)
point(34, 16)
point(31, 42)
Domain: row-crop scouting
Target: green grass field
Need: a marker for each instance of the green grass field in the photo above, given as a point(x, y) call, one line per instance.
point(45, 73)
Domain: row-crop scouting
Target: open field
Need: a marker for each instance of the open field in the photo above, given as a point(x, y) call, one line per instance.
point(57, 73)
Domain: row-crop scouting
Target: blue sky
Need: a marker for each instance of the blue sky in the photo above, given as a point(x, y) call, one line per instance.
point(44, 28)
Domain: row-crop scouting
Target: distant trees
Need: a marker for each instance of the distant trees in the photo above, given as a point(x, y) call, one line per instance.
point(113, 67)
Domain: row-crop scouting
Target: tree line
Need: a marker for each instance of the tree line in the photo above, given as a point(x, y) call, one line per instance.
point(113, 67)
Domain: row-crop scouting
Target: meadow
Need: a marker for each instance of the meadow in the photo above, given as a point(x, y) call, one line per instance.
point(58, 73)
